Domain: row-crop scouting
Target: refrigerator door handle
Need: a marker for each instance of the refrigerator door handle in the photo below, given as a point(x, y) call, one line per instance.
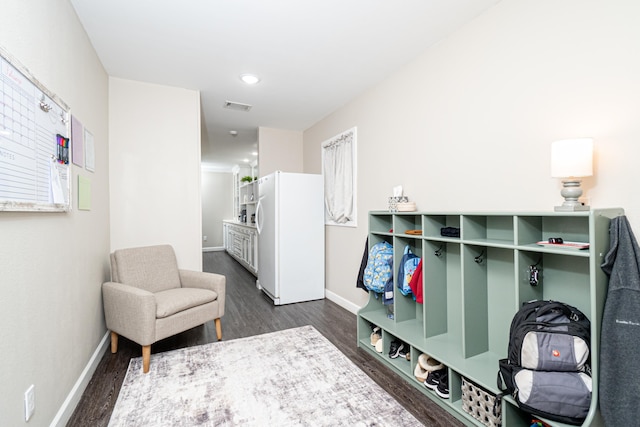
point(259, 217)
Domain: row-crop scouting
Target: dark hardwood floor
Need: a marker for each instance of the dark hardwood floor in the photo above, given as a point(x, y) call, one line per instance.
point(249, 312)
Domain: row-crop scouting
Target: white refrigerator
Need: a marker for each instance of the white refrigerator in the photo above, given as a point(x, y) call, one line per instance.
point(290, 224)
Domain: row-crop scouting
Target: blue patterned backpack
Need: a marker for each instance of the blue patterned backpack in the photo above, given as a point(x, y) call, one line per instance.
point(379, 269)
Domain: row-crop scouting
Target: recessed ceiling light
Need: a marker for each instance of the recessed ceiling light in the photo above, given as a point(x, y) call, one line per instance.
point(255, 153)
point(249, 79)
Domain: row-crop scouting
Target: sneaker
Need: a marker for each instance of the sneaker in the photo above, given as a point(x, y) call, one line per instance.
point(443, 386)
point(375, 335)
point(395, 349)
point(433, 378)
point(404, 352)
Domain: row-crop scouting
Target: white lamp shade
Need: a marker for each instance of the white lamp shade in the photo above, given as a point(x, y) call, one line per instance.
point(572, 158)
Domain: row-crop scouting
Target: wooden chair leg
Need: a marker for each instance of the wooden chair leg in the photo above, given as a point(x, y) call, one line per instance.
point(218, 329)
point(114, 342)
point(146, 358)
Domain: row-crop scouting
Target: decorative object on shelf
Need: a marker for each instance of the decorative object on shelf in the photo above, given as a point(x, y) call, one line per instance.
point(406, 207)
point(394, 201)
point(414, 232)
point(246, 179)
point(572, 159)
point(397, 199)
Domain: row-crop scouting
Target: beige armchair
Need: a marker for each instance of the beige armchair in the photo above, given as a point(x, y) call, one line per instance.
point(149, 298)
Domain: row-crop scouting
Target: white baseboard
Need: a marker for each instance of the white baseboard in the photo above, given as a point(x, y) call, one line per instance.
point(213, 249)
point(342, 302)
point(69, 405)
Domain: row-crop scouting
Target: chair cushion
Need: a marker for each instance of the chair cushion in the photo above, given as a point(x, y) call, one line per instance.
point(152, 268)
point(173, 301)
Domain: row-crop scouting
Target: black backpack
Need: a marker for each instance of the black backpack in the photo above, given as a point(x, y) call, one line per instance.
point(547, 369)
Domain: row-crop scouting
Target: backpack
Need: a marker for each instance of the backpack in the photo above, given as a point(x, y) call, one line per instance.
point(408, 265)
point(547, 365)
point(379, 269)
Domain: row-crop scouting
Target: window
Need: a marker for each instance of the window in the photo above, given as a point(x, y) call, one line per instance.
point(339, 171)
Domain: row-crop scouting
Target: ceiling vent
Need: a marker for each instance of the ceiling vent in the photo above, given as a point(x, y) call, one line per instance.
point(237, 106)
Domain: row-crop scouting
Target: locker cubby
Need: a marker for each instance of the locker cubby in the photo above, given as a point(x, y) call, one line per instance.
point(407, 221)
point(381, 223)
point(399, 363)
point(571, 227)
point(405, 307)
point(432, 225)
point(473, 285)
point(365, 328)
point(489, 229)
point(401, 242)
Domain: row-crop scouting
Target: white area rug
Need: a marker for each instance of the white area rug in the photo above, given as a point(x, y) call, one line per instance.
point(294, 377)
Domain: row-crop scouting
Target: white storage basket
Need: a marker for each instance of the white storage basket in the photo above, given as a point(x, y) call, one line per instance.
point(480, 404)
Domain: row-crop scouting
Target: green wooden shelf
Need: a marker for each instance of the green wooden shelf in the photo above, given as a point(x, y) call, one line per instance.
point(475, 283)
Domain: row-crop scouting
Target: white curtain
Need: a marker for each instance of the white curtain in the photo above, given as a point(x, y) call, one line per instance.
point(338, 164)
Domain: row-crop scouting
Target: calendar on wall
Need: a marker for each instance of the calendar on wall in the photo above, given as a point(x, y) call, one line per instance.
point(34, 143)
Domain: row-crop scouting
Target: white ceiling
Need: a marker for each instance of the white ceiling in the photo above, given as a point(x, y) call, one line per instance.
point(313, 56)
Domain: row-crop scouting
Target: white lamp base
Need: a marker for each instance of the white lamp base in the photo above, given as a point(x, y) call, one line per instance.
point(578, 208)
point(571, 192)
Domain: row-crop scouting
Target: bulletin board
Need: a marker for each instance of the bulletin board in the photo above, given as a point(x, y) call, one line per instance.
point(35, 149)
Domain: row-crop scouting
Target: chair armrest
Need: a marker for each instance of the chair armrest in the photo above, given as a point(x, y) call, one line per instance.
point(211, 281)
point(130, 312)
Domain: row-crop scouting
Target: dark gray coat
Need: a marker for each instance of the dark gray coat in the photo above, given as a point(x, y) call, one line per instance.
point(620, 337)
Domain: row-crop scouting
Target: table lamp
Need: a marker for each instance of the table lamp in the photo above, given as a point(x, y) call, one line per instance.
point(571, 159)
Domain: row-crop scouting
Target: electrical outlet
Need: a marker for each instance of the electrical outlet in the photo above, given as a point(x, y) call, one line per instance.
point(29, 402)
point(204, 238)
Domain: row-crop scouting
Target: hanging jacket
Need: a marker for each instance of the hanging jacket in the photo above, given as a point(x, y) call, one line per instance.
point(416, 283)
point(620, 332)
point(363, 265)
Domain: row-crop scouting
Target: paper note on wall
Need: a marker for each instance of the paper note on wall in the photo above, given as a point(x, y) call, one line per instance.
point(57, 195)
point(84, 193)
point(77, 142)
point(89, 153)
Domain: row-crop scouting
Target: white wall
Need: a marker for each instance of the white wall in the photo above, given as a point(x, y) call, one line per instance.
point(279, 149)
point(468, 124)
point(155, 168)
point(53, 264)
point(217, 205)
